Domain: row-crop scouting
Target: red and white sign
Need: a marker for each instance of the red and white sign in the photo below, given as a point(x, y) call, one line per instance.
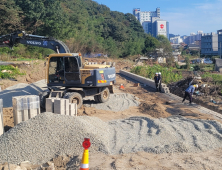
point(6, 42)
point(161, 26)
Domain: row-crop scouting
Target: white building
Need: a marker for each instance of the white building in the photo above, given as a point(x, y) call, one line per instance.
point(209, 44)
point(151, 22)
point(176, 40)
point(146, 15)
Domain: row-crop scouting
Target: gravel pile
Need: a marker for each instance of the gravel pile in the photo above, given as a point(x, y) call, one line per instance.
point(43, 137)
point(47, 135)
point(117, 102)
point(164, 135)
point(21, 89)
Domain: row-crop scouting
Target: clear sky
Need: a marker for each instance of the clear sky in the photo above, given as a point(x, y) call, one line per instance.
point(184, 16)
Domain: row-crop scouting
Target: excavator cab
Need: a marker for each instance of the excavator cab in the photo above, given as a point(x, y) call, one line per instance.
point(63, 70)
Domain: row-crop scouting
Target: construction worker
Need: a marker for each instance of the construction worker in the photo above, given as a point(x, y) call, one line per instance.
point(160, 80)
point(189, 92)
point(157, 80)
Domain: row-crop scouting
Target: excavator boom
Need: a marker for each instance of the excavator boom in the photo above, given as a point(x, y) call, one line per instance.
point(22, 37)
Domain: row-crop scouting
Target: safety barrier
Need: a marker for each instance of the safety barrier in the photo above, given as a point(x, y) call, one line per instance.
point(61, 106)
point(145, 81)
point(85, 157)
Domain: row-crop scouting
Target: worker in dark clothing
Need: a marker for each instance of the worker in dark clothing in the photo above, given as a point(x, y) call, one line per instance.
point(189, 92)
point(157, 80)
point(160, 80)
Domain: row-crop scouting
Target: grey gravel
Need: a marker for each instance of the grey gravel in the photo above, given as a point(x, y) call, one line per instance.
point(117, 102)
point(47, 135)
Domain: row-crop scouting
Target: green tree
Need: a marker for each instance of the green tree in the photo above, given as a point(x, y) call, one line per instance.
point(187, 60)
point(151, 43)
point(10, 17)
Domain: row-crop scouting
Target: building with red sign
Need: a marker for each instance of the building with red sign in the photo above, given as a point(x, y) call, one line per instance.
point(151, 22)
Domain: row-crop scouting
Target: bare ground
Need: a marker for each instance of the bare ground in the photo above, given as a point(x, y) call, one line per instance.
point(152, 105)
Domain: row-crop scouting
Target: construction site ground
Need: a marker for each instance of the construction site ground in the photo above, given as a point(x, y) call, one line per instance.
point(152, 105)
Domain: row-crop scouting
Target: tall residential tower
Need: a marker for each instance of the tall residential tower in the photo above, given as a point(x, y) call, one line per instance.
point(151, 22)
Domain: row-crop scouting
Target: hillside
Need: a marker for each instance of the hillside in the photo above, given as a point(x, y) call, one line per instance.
point(84, 25)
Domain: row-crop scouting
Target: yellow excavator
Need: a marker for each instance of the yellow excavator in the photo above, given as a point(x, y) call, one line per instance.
point(67, 76)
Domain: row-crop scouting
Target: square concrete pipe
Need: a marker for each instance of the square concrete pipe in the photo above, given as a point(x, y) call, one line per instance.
point(25, 111)
point(59, 106)
point(34, 106)
point(50, 105)
point(17, 109)
point(73, 109)
point(66, 106)
point(1, 118)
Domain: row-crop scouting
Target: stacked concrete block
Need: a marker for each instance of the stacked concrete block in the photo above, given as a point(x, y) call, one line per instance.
point(25, 107)
point(61, 106)
point(1, 118)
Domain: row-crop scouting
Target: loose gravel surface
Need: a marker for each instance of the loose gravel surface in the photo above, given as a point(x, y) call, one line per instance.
point(47, 135)
point(117, 102)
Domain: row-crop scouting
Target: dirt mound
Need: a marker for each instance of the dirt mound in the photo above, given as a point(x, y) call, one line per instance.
point(156, 110)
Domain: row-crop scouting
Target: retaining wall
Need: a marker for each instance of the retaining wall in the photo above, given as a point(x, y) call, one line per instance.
point(145, 81)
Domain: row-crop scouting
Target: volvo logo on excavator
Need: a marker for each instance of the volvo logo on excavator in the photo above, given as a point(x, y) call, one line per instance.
point(34, 43)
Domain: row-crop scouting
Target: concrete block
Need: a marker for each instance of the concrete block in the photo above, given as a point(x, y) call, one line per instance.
point(110, 63)
point(59, 106)
point(1, 118)
point(50, 104)
point(72, 109)
point(17, 109)
point(75, 109)
point(34, 106)
point(66, 106)
point(104, 63)
point(25, 112)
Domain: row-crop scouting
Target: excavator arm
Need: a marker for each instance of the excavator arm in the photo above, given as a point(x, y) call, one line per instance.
point(22, 37)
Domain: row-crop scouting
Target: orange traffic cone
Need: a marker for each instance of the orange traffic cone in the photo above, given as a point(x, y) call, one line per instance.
point(121, 86)
point(85, 157)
